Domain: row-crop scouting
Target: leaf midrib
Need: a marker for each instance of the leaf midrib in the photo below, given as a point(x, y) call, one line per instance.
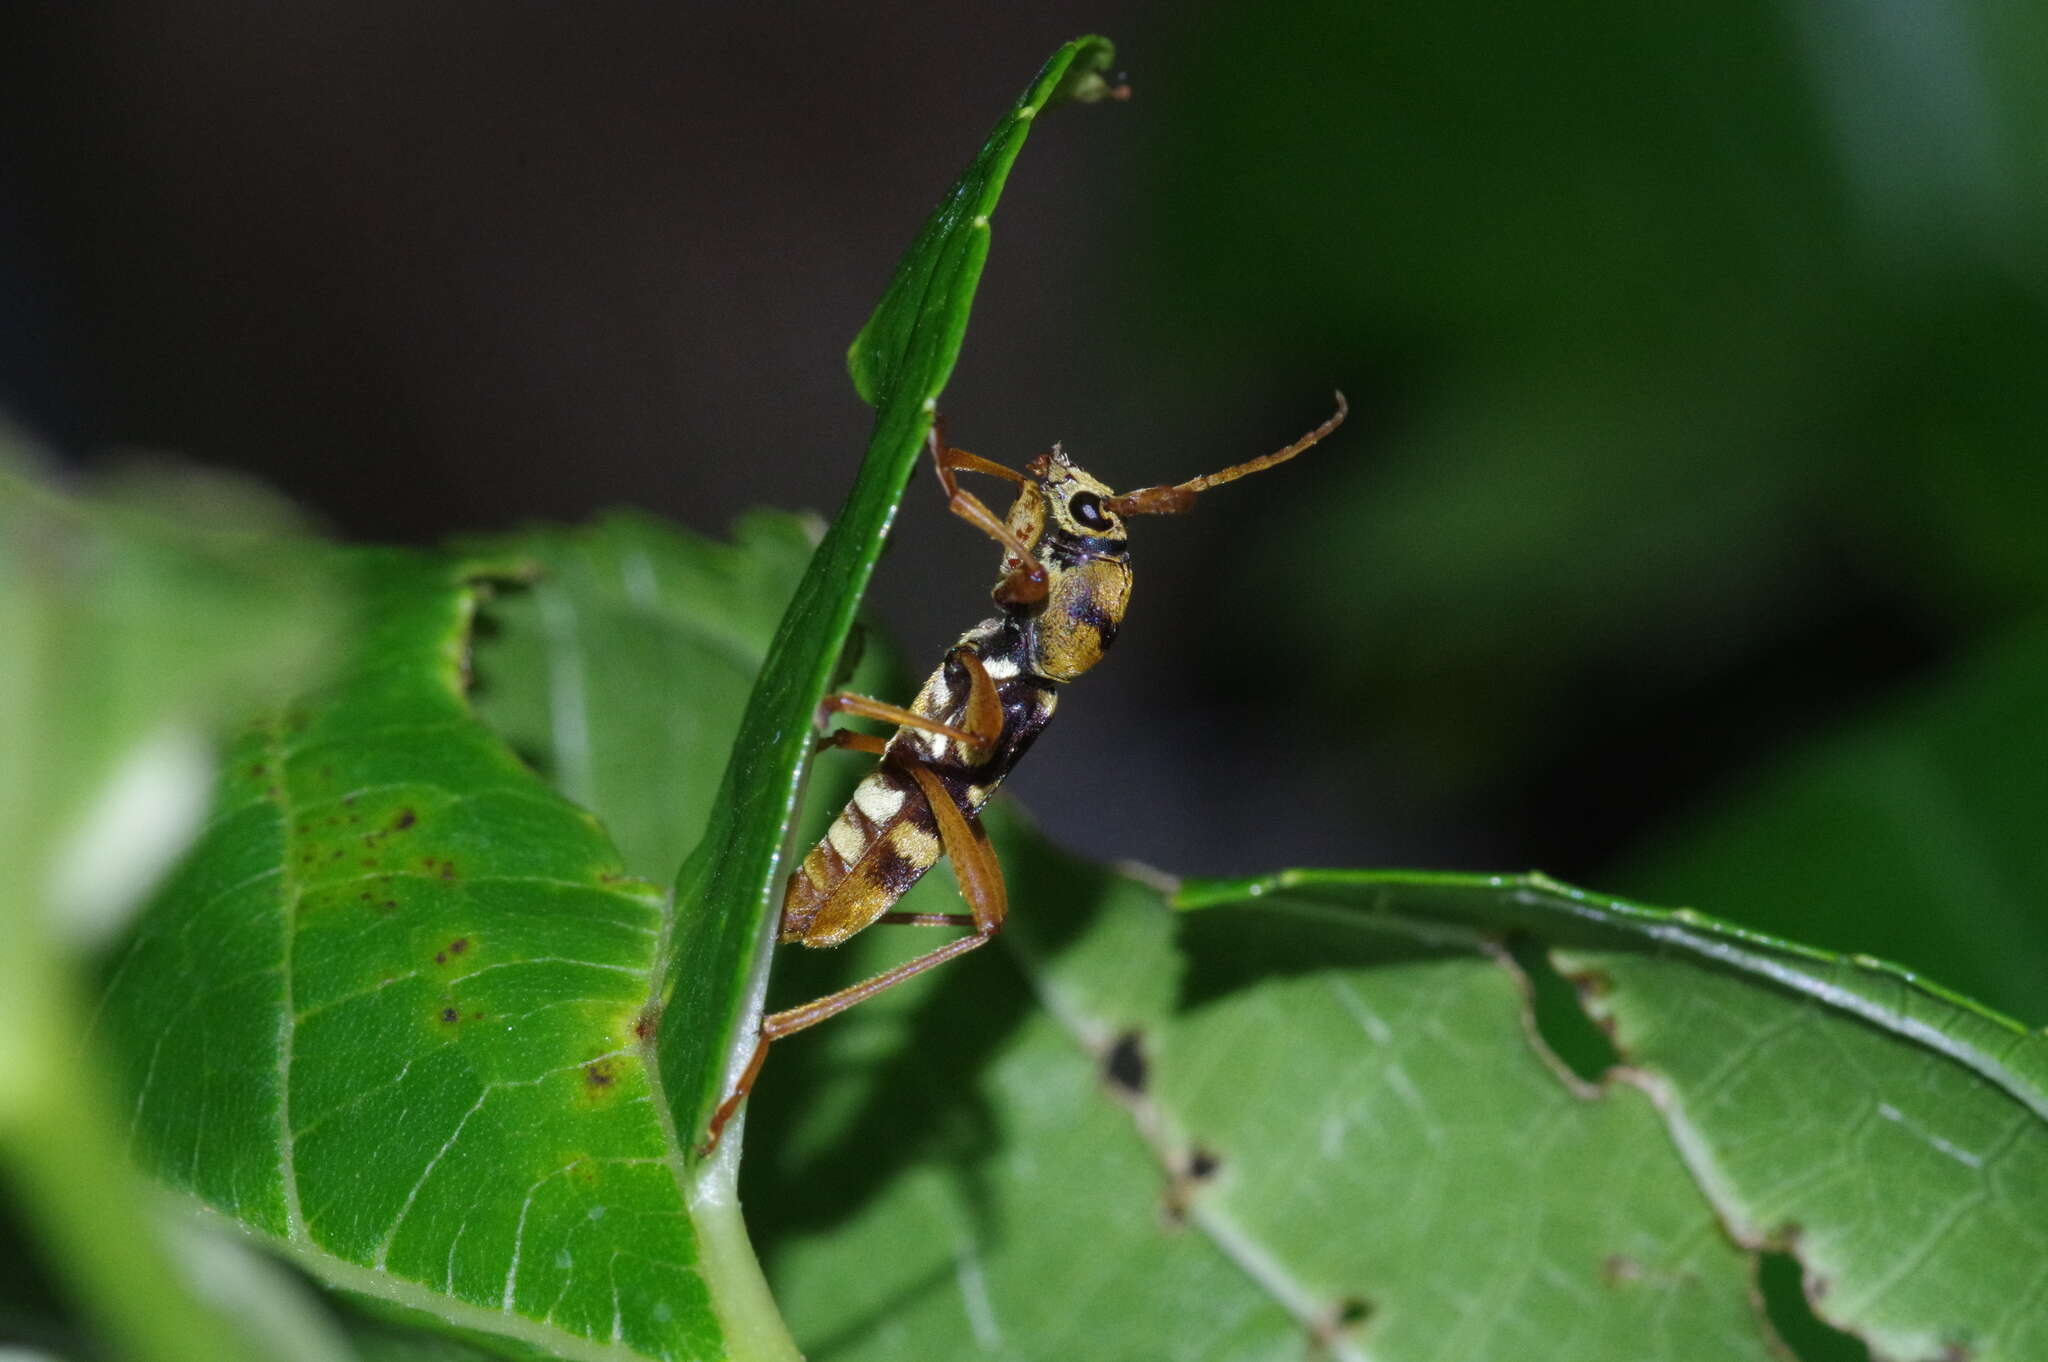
point(1090, 1035)
point(291, 892)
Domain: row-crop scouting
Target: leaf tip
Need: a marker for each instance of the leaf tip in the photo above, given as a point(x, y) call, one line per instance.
point(1088, 78)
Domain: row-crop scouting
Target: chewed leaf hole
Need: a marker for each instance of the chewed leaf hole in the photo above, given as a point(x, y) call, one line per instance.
point(1780, 1282)
point(1353, 1311)
point(1343, 1320)
point(1555, 1013)
point(1124, 1067)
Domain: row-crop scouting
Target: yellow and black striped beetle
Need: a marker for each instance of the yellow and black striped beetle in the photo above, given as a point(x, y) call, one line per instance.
point(1065, 581)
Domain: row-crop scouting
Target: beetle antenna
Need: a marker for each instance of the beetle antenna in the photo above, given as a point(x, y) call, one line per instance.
point(1179, 497)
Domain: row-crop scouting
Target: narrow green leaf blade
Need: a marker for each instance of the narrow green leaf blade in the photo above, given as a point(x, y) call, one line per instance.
point(725, 892)
point(915, 332)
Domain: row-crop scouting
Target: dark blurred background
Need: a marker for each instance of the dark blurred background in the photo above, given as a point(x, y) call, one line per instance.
point(1687, 538)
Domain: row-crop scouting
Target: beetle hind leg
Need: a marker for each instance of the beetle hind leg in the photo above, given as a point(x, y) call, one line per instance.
point(981, 884)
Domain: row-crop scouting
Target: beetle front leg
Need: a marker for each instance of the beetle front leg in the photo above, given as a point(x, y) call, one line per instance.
point(1024, 580)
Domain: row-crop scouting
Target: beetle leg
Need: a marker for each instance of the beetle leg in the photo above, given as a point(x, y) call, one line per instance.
point(1024, 581)
point(927, 919)
point(859, 742)
point(974, 860)
point(844, 702)
point(982, 715)
point(981, 719)
point(981, 884)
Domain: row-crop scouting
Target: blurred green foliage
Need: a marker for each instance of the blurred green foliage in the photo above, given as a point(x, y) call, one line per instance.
point(1916, 834)
point(136, 616)
point(1705, 348)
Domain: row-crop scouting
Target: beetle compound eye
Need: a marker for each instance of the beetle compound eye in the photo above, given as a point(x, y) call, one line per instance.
point(1086, 508)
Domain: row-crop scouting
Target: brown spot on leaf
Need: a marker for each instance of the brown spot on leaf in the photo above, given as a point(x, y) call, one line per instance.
point(440, 957)
point(648, 1022)
point(600, 1074)
point(406, 818)
point(1202, 1164)
point(258, 769)
point(1618, 1269)
point(449, 1014)
point(458, 945)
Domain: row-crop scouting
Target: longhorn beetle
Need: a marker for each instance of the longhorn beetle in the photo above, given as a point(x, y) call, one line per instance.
point(1065, 581)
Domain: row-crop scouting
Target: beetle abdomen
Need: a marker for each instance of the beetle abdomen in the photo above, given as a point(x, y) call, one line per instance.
point(881, 843)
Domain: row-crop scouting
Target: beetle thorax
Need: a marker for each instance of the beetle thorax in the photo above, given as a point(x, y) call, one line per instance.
point(1059, 516)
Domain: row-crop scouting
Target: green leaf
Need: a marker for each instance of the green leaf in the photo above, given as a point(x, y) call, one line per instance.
point(621, 670)
point(900, 361)
point(1318, 1112)
point(388, 1017)
point(1914, 833)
